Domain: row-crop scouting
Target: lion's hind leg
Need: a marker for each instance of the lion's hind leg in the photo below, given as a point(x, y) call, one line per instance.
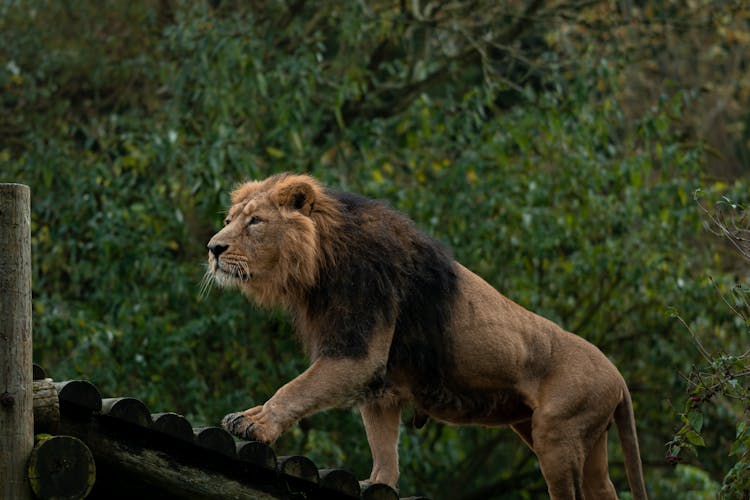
point(596, 481)
point(561, 451)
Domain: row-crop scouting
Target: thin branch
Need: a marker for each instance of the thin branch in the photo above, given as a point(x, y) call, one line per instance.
point(706, 355)
point(724, 299)
point(723, 230)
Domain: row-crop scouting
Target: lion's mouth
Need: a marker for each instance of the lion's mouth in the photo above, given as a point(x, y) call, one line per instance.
point(236, 274)
point(231, 270)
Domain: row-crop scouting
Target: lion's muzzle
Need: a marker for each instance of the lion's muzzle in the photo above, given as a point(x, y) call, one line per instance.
point(217, 249)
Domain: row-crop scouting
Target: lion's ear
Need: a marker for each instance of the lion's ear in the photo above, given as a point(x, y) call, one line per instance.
point(298, 195)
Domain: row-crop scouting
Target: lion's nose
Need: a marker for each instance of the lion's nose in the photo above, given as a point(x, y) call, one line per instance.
point(217, 248)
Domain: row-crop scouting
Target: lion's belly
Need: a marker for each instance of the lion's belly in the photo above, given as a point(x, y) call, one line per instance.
point(477, 407)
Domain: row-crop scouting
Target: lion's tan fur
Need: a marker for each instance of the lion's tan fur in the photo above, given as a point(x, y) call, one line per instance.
point(506, 365)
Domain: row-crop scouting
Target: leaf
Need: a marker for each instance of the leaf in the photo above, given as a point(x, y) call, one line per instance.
point(741, 428)
point(738, 449)
point(695, 439)
point(695, 418)
point(275, 153)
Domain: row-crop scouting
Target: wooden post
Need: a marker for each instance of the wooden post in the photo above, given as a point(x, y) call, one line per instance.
point(16, 398)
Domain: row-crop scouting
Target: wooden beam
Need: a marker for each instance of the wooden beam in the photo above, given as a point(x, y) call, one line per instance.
point(16, 402)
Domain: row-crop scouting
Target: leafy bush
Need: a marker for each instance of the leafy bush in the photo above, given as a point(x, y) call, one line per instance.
point(718, 388)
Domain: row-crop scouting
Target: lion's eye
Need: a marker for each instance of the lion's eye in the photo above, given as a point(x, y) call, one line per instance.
point(253, 220)
point(227, 221)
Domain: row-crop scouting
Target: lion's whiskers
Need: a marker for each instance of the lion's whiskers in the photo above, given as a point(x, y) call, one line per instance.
point(205, 285)
point(245, 269)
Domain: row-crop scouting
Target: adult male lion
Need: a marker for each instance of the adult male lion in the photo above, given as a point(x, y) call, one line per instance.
point(389, 318)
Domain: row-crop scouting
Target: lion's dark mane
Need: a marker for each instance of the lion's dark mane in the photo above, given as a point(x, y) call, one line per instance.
point(383, 270)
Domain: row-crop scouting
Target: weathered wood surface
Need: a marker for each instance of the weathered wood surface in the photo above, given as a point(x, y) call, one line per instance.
point(299, 467)
point(39, 372)
point(16, 402)
point(143, 454)
point(173, 425)
point(299, 474)
point(257, 453)
point(127, 409)
point(340, 480)
point(61, 467)
point(216, 439)
point(46, 406)
point(161, 473)
point(379, 492)
point(78, 398)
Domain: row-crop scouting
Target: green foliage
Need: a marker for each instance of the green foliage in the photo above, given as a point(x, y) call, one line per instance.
point(719, 385)
point(131, 123)
point(690, 482)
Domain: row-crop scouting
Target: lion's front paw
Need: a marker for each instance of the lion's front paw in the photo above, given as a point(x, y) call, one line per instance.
point(237, 424)
point(254, 425)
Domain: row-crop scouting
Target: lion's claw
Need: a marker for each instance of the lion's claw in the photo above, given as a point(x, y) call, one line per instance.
point(239, 425)
point(231, 421)
point(247, 434)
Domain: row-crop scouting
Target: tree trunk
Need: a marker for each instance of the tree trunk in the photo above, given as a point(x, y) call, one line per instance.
point(16, 403)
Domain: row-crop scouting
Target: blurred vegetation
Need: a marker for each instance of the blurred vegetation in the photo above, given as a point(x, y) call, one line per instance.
point(555, 146)
point(718, 383)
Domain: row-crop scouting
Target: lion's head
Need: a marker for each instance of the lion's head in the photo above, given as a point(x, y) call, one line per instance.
point(270, 245)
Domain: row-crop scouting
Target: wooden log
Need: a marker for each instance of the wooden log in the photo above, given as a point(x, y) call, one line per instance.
point(46, 406)
point(127, 409)
point(341, 481)
point(16, 401)
point(217, 439)
point(378, 491)
point(78, 398)
point(173, 425)
point(61, 467)
point(299, 474)
point(134, 468)
point(299, 467)
point(39, 372)
point(257, 453)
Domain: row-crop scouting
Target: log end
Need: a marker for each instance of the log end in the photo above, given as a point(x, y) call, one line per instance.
point(61, 467)
point(341, 481)
point(257, 453)
point(378, 491)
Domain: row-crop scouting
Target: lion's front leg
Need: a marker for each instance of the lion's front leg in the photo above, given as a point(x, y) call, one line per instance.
point(327, 383)
point(382, 419)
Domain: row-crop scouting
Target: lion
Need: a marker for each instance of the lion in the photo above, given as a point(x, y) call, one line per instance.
point(390, 320)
